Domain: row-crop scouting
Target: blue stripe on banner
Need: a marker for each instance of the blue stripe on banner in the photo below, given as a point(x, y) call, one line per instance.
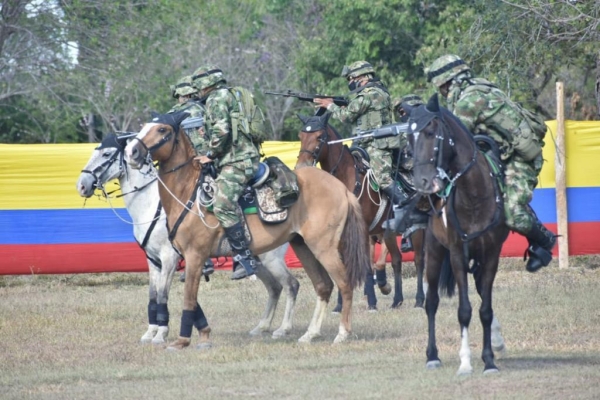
point(582, 204)
point(100, 225)
point(93, 225)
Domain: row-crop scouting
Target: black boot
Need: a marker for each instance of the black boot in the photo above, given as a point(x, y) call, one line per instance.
point(541, 243)
point(244, 263)
point(208, 268)
point(396, 195)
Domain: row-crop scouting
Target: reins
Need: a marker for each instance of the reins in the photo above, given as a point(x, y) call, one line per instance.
point(449, 192)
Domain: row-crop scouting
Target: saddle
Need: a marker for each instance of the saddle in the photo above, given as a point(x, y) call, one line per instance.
point(401, 163)
point(268, 194)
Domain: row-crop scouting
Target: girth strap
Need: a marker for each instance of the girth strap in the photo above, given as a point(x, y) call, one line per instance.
point(184, 212)
point(157, 263)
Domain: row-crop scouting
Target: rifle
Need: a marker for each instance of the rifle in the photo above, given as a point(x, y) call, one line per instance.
point(378, 133)
point(337, 100)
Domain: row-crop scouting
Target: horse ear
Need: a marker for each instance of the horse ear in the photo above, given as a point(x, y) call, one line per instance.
point(303, 118)
point(179, 116)
point(433, 104)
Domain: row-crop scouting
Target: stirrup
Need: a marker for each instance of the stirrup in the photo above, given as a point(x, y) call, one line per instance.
point(406, 245)
point(261, 175)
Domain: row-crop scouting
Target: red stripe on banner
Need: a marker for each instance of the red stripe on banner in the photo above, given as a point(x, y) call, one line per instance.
point(128, 257)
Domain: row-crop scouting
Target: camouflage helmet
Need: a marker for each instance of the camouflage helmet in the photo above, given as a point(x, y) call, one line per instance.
point(409, 100)
point(445, 69)
point(356, 69)
point(183, 87)
point(207, 76)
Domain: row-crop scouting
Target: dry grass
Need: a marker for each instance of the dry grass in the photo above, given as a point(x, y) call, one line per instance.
point(76, 337)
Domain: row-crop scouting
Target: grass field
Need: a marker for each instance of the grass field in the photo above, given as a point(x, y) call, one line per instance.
point(76, 337)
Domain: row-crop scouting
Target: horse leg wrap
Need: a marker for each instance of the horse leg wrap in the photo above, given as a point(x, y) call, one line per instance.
point(380, 277)
point(187, 323)
point(200, 321)
point(162, 315)
point(152, 312)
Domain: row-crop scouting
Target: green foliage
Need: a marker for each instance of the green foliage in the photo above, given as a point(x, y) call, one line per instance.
point(129, 54)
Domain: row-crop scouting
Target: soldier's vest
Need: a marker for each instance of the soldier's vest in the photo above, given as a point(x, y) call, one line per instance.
point(523, 131)
point(379, 114)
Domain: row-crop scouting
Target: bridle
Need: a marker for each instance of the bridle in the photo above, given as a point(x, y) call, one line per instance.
point(173, 133)
point(316, 152)
point(450, 192)
point(437, 158)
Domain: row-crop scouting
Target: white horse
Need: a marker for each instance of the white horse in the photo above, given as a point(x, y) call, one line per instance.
point(140, 194)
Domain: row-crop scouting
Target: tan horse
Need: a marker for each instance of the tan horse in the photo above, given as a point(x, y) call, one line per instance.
point(336, 159)
point(325, 228)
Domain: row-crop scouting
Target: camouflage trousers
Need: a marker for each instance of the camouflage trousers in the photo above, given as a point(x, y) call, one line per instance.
point(230, 184)
point(381, 164)
point(521, 179)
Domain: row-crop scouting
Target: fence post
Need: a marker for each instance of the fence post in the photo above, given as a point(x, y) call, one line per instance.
point(561, 181)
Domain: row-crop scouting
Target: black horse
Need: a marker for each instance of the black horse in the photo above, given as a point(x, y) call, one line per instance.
point(467, 228)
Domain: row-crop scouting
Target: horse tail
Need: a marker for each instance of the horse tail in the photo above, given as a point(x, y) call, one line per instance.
point(354, 247)
point(447, 281)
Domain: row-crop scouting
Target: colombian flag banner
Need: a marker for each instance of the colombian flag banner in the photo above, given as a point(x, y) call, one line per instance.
point(46, 227)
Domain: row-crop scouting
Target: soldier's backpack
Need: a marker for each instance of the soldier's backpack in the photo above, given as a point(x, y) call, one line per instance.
point(527, 145)
point(250, 119)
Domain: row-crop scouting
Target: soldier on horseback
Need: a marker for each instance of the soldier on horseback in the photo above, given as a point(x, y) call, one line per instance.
point(369, 108)
point(485, 109)
point(187, 100)
point(236, 160)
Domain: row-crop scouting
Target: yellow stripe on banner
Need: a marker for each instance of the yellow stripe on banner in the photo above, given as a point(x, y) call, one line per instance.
point(582, 146)
point(43, 176)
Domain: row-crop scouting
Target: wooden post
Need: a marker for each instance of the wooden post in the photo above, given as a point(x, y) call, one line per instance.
point(561, 181)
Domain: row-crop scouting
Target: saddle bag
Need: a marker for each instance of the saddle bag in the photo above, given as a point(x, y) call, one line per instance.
point(283, 181)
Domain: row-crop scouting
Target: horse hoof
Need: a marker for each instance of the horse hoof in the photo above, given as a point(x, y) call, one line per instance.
point(149, 335)
point(396, 305)
point(464, 371)
point(372, 309)
point(340, 338)
point(435, 364)
point(204, 346)
point(491, 371)
point(161, 336)
point(419, 304)
point(385, 289)
point(279, 333)
point(499, 351)
point(179, 344)
point(256, 331)
point(204, 342)
point(307, 338)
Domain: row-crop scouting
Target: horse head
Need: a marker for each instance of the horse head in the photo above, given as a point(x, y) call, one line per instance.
point(156, 141)
point(442, 147)
point(106, 163)
point(313, 140)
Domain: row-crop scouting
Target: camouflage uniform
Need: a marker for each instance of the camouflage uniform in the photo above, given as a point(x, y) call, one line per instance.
point(485, 109)
point(237, 164)
point(370, 108)
point(184, 87)
point(236, 159)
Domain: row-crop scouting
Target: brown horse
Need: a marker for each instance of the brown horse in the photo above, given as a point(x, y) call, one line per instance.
point(324, 227)
point(337, 159)
point(467, 231)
